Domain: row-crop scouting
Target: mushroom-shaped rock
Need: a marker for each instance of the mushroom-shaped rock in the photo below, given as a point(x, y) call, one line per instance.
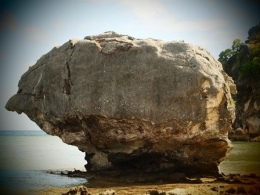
point(137, 104)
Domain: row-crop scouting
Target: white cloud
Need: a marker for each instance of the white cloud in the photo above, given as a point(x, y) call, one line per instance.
point(151, 13)
point(199, 25)
point(33, 33)
point(148, 10)
point(59, 24)
point(156, 15)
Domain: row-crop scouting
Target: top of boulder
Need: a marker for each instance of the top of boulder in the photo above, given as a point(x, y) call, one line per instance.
point(107, 34)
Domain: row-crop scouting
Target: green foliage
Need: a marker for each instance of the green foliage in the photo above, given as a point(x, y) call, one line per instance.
point(224, 56)
point(251, 69)
point(236, 45)
point(255, 52)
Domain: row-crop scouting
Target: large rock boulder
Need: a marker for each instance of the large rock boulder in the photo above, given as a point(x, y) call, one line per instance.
point(145, 105)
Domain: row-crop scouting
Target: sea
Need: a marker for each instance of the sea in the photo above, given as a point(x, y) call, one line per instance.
point(28, 157)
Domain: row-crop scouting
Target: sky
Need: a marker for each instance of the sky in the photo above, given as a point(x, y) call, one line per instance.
point(31, 28)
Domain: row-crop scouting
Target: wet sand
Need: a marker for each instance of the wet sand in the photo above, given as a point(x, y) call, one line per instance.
point(234, 184)
point(178, 189)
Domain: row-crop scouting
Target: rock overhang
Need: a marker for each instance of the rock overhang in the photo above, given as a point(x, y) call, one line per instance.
point(145, 103)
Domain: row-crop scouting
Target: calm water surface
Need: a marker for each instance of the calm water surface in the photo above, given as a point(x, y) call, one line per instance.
point(244, 158)
point(25, 156)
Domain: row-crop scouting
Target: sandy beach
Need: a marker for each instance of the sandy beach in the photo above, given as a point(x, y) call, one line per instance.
point(230, 184)
point(153, 189)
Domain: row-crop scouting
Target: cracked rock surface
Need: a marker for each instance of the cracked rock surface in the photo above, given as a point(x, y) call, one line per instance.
point(132, 104)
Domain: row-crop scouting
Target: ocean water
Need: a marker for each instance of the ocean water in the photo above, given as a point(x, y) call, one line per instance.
point(244, 159)
point(27, 156)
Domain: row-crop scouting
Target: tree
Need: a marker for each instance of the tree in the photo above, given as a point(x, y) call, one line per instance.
point(236, 45)
point(251, 69)
point(224, 56)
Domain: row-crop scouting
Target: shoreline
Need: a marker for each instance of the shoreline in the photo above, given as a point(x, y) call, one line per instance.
point(98, 184)
point(224, 184)
point(111, 184)
point(234, 184)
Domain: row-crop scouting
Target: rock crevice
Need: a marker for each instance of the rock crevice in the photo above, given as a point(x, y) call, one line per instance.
point(67, 82)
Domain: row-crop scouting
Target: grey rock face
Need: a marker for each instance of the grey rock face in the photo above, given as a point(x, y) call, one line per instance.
point(129, 103)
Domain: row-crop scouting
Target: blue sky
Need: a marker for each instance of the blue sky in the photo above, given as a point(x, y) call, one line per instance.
point(31, 28)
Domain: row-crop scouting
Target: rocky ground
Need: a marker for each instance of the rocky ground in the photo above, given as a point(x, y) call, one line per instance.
point(222, 185)
point(154, 189)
